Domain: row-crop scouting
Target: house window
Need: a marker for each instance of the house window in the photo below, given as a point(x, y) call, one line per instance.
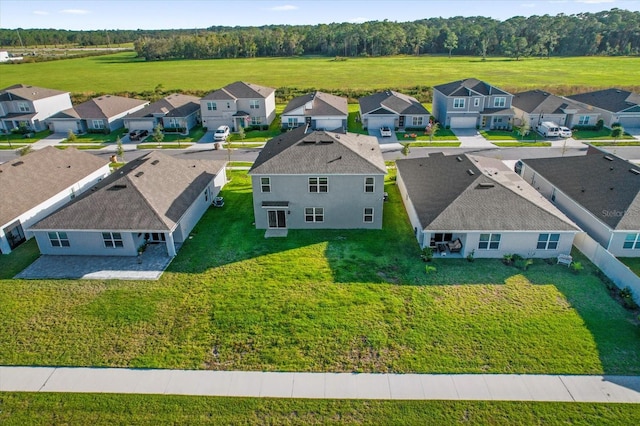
point(211, 106)
point(256, 121)
point(23, 107)
point(59, 239)
point(112, 239)
point(631, 241)
point(548, 241)
point(318, 184)
point(499, 102)
point(368, 214)
point(98, 124)
point(173, 123)
point(489, 242)
point(207, 194)
point(369, 184)
point(254, 104)
point(583, 120)
point(476, 102)
point(314, 214)
point(458, 102)
point(265, 184)
point(417, 121)
point(228, 105)
point(292, 122)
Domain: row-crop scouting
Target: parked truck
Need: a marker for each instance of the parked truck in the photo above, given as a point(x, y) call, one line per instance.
point(549, 129)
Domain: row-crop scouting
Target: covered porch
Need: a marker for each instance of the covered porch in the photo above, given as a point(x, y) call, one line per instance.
point(446, 244)
point(497, 119)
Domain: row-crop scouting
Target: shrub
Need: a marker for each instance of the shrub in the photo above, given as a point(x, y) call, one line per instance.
point(429, 269)
point(626, 294)
point(470, 256)
point(522, 263)
point(507, 259)
point(576, 267)
point(600, 124)
point(427, 254)
point(71, 137)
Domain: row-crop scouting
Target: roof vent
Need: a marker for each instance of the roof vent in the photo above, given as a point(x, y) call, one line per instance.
point(139, 174)
point(118, 186)
point(470, 172)
point(608, 158)
point(335, 159)
point(459, 159)
point(17, 163)
point(635, 171)
point(154, 162)
point(485, 185)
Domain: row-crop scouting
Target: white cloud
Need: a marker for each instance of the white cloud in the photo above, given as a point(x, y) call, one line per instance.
point(595, 1)
point(284, 8)
point(528, 5)
point(358, 20)
point(75, 11)
point(40, 12)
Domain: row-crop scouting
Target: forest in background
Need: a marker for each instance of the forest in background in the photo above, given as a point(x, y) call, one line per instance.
point(609, 33)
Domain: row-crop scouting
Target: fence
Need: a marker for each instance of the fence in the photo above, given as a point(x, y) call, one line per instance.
point(617, 271)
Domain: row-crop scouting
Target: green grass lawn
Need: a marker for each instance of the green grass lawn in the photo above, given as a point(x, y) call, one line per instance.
point(603, 133)
point(420, 137)
point(17, 138)
point(632, 262)
point(98, 137)
point(108, 409)
point(194, 135)
point(331, 300)
point(18, 259)
point(164, 145)
point(504, 135)
point(521, 144)
point(628, 143)
point(123, 72)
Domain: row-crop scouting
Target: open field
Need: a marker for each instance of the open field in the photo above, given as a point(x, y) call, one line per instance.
point(321, 301)
point(123, 72)
point(104, 409)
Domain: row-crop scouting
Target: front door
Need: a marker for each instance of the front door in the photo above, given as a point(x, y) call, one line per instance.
point(277, 218)
point(401, 121)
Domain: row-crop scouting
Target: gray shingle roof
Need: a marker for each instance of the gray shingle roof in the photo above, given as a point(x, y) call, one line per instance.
point(601, 183)
point(613, 100)
point(174, 105)
point(394, 102)
point(322, 104)
point(31, 93)
point(105, 106)
point(30, 180)
point(298, 152)
point(239, 90)
point(150, 193)
point(539, 102)
point(448, 198)
point(468, 87)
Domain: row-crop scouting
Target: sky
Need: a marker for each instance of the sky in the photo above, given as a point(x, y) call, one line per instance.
point(151, 14)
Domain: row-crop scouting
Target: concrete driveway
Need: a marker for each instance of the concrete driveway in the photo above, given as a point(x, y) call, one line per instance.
point(471, 138)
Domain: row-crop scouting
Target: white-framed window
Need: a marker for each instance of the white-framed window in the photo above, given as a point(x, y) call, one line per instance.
point(292, 122)
point(254, 104)
point(489, 242)
point(314, 214)
point(631, 242)
point(265, 184)
point(23, 107)
point(98, 124)
point(476, 102)
point(583, 120)
point(369, 184)
point(499, 102)
point(256, 121)
point(417, 121)
point(174, 122)
point(368, 214)
point(112, 239)
point(212, 106)
point(458, 102)
point(58, 239)
point(548, 241)
point(318, 184)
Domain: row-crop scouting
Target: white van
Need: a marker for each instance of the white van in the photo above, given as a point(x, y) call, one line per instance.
point(549, 129)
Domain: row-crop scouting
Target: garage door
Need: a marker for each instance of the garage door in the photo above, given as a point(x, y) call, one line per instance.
point(374, 123)
point(64, 126)
point(628, 122)
point(328, 124)
point(463, 122)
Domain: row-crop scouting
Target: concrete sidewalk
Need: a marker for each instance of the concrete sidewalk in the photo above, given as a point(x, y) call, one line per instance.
point(491, 387)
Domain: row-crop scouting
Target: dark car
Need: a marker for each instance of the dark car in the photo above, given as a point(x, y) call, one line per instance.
point(137, 135)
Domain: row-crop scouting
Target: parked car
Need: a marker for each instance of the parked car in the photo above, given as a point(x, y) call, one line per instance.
point(221, 134)
point(518, 167)
point(137, 135)
point(385, 132)
point(549, 129)
point(565, 132)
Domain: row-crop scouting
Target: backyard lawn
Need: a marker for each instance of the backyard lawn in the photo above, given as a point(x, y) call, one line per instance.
point(321, 301)
point(633, 263)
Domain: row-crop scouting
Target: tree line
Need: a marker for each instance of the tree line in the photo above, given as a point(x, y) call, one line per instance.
point(614, 32)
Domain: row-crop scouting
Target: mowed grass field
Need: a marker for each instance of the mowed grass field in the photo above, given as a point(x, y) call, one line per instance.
point(123, 72)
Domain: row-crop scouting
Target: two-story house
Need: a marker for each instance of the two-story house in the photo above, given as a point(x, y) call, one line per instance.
point(537, 106)
point(393, 110)
point(318, 180)
point(318, 110)
point(29, 106)
point(471, 104)
point(102, 114)
point(238, 105)
point(614, 105)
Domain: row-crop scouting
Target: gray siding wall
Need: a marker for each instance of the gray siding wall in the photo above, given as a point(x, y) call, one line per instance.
point(411, 212)
point(343, 205)
point(88, 243)
point(519, 242)
point(616, 242)
point(439, 107)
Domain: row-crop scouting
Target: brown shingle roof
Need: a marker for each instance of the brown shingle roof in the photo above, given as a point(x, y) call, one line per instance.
point(31, 93)
point(239, 90)
point(105, 106)
point(322, 104)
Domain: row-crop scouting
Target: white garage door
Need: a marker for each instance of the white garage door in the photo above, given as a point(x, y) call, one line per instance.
point(463, 122)
point(64, 126)
point(140, 125)
point(328, 124)
point(375, 123)
point(630, 121)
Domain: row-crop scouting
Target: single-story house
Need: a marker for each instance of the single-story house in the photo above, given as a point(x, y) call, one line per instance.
point(153, 199)
point(392, 109)
point(471, 104)
point(175, 113)
point(103, 114)
point(318, 180)
point(238, 105)
point(614, 106)
point(318, 110)
point(29, 106)
point(471, 205)
point(599, 191)
point(537, 106)
point(34, 186)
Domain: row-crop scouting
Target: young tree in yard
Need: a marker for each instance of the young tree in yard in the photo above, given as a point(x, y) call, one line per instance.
point(524, 129)
point(120, 149)
point(157, 136)
point(451, 42)
point(405, 148)
point(25, 150)
point(71, 137)
point(432, 129)
point(617, 132)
